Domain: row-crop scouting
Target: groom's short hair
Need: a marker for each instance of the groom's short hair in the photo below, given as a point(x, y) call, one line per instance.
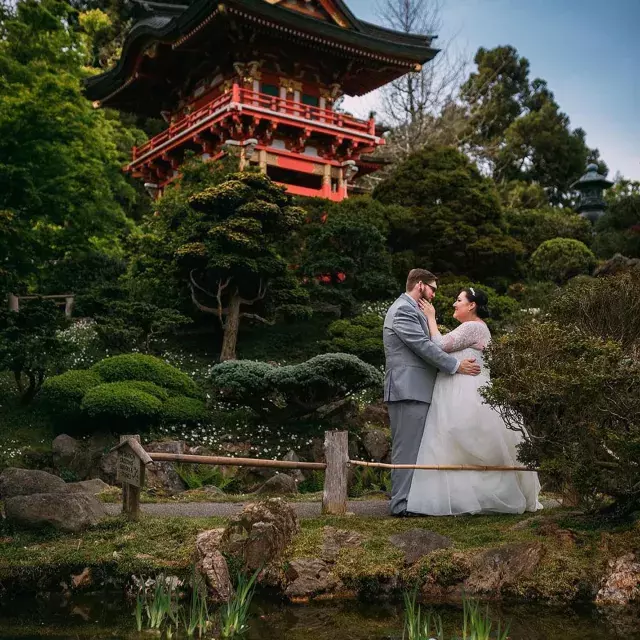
point(419, 275)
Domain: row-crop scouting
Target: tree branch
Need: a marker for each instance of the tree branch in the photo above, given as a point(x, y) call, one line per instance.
point(221, 288)
point(198, 286)
point(255, 316)
point(262, 292)
point(199, 306)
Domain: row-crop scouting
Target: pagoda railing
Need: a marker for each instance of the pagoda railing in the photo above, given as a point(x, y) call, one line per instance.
point(281, 108)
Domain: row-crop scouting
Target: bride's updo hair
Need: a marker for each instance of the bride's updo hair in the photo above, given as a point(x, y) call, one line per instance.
point(480, 298)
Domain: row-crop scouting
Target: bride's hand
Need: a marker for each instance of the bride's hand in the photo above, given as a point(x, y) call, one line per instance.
point(428, 309)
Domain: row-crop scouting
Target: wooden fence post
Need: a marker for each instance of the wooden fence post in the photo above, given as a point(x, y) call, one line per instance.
point(336, 450)
point(132, 459)
point(14, 302)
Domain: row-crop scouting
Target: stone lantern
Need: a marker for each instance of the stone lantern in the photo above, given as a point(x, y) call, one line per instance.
point(591, 187)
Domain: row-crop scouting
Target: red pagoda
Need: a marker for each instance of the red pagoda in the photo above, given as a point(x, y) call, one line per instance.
point(263, 76)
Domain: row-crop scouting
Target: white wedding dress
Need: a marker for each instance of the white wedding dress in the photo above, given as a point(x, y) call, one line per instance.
point(462, 429)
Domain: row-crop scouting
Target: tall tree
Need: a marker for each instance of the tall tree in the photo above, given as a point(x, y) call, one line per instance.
point(225, 244)
point(516, 127)
point(61, 182)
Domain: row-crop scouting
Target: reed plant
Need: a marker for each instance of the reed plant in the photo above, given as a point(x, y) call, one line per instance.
point(234, 615)
point(476, 624)
point(197, 618)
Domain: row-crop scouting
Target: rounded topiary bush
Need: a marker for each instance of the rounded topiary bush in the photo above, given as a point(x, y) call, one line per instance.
point(120, 406)
point(64, 393)
point(136, 366)
point(150, 388)
point(183, 410)
point(561, 259)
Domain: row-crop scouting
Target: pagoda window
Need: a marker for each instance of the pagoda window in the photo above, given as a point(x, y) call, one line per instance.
point(312, 101)
point(270, 89)
point(294, 178)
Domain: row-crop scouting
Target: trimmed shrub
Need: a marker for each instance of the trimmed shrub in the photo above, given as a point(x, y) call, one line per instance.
point(64, 393)
point(183, 410)
point(360, 336)
point(314, 392)
point(121, 406)
point(578, 397)
point(136, 366)
point(150, 388)
point(561, 259)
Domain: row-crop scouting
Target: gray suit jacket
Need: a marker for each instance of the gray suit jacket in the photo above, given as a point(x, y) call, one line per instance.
point(412, 360)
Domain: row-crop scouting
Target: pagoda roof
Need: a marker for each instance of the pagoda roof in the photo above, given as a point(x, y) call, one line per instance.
point(341, 32)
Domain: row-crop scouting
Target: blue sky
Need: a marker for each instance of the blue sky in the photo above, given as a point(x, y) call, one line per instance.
point(587, 50)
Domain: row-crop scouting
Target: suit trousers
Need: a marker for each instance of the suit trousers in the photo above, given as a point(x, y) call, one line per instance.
point(408, 418)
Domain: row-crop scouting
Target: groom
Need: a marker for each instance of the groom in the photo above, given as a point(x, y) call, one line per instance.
point(412, 362)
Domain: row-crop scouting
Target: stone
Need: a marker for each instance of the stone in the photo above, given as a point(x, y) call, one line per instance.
point(502, 567)
point(376, 443)
point(621, 585)
point(280, 485)
point(69, 454)
point(317, 450)
point(297, 474)
point(259, 535)
point(375, 414)
point(70, 512)
point(337, 539)
point(417, 543)
point(309, 577)
point(163, 476)
point(94, 486)
point(213, 566)
point(25, 482)
point(106, 468)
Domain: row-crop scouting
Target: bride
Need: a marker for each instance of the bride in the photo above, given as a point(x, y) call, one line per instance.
point(462, 429)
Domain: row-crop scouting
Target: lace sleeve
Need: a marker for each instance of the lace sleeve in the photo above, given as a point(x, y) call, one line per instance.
point(468, 334)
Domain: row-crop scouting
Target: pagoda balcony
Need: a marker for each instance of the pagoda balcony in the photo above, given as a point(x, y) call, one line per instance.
point(260, 107)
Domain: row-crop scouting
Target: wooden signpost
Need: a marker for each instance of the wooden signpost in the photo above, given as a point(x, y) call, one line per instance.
point(132, 461)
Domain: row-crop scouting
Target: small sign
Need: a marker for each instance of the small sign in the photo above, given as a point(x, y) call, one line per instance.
point(128, 467)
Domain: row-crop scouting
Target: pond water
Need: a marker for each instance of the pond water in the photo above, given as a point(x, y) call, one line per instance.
point(110, 616)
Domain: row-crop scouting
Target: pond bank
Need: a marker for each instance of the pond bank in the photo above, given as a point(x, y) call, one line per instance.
point(558, 556)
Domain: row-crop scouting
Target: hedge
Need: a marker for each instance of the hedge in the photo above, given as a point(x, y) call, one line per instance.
point(183, 410)
point(64, 393)
point(136, 366)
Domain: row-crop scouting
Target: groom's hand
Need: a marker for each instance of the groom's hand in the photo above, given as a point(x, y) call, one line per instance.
point(469, 367)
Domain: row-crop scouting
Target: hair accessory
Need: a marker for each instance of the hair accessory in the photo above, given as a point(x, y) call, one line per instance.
point(473, 291)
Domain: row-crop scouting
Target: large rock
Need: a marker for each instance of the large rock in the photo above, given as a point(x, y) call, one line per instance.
point(259, 535)
point(621, 585)
point(213, 566)
point(163, 475)
point(93, 487)
point(25, 482)
point(69, 454)
point(71, 512)
point(297, 474)
point(280, 485)
point(309, 577)
point(376, 443)
point(417, 543)
point(106, 468)
point(502, 567)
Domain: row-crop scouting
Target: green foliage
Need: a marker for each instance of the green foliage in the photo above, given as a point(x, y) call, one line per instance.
point(120, 406)
point(608, 308)
point(64, 393)
point(532, 227)
point(503, 309)
point(316, 390)
point(361, 336)
point(152, 389)
point(561, 259)
point(131, 325)
point(61, 184)
point(456, 224)
point(146, 368)
point(183, 410)
point(30, 347)
point(618, 231)
point(578, 397)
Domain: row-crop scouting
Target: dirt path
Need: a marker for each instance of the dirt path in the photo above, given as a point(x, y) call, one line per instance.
point(375, 508)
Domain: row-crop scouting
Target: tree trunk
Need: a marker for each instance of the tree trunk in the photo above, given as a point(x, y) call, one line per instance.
point(231, 324)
